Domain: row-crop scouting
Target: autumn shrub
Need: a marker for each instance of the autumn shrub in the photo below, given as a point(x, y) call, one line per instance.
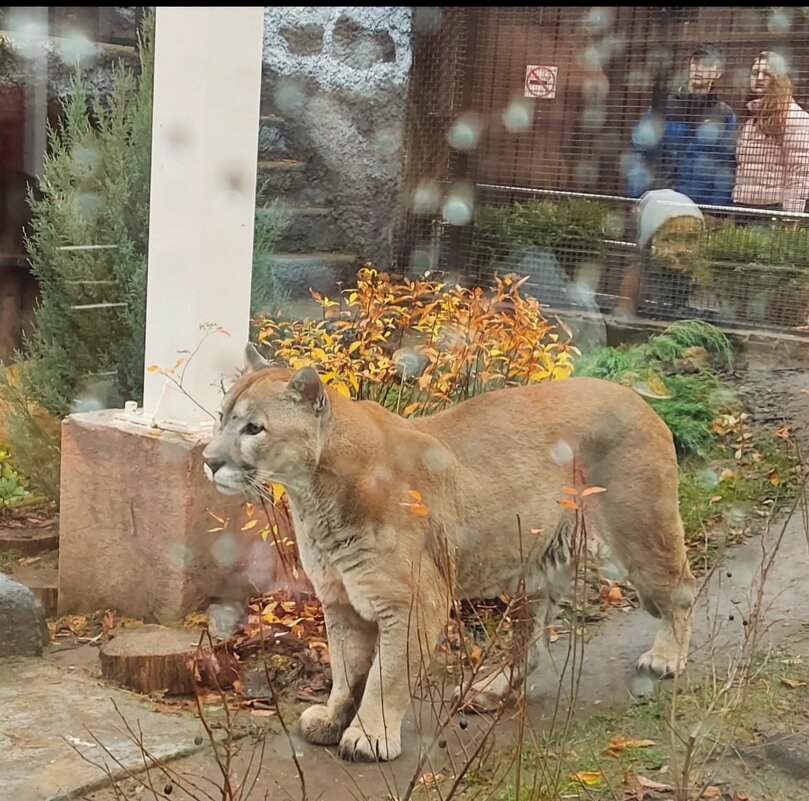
point(418, 346)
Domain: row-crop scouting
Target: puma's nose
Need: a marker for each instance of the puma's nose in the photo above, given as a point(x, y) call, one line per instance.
point(213, 465)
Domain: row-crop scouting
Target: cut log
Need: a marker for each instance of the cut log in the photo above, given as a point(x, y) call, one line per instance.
point(151, 658)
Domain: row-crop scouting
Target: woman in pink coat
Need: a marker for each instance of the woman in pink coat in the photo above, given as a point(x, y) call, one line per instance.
point(772, 152)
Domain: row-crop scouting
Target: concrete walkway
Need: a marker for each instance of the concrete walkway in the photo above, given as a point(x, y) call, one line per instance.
point(47, 711)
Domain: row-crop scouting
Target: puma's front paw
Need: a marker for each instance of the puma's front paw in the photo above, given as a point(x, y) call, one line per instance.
point(486, 695)
point(358, 745)
point(663, 663)
point(318, 727)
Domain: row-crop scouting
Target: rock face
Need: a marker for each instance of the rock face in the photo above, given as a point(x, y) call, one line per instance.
point(23, 630)
point(334, 98)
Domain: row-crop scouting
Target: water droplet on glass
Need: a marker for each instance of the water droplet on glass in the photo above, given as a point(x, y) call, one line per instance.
point(780, 20)
point(518, 114)
point(426, 198)
point(457, 209)
point(75, 48)
point(465, 133)
point(561, 452)
point(223, 550)
point(289, 97)
point(85, 160)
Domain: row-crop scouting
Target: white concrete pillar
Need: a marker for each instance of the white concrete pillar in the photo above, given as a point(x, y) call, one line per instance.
point(207, 85)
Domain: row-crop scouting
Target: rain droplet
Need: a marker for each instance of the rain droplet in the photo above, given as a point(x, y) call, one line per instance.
point(465, 133)
point(85, 161)
point(457, 209)
point(561, 452)
point(224, 550)
point(289, 97)
point(426, 198)
point(75, 48)
point(518, 115)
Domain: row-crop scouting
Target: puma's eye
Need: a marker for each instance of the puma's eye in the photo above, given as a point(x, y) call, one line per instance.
point(251, 429)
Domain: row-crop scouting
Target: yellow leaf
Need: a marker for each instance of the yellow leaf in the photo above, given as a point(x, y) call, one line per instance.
point(249, 524)
point(220, 520)
point(277, 492)
point(414, 494)
point(590, 778)
point(342, 389)
point(153, 368)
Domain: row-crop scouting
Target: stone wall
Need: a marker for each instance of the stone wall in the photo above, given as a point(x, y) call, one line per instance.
point(334, 101)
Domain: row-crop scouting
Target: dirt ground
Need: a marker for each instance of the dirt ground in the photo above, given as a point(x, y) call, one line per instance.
point(756, 750)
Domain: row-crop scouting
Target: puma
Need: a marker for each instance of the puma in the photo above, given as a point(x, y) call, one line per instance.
point(386, 576)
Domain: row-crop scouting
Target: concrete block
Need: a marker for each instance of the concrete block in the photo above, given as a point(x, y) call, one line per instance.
point(23, 630)
point(137, 531)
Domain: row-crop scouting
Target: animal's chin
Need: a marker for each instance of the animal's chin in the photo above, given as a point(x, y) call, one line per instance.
point(227, 489)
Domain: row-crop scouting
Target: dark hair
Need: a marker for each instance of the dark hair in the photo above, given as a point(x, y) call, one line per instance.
point(708, 52)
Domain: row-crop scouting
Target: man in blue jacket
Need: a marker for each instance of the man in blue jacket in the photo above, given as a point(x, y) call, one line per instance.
point(691, 147)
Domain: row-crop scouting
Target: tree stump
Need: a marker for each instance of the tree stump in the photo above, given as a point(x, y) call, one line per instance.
point(151, 658)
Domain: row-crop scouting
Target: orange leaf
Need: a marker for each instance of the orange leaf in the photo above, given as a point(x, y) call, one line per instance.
point(620, 743)
point(592, 491)
point(568, 504)
point(414, 494)
point(153, 368)
point(570, 490)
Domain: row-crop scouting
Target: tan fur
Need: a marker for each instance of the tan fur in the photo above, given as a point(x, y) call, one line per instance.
point(386, 576)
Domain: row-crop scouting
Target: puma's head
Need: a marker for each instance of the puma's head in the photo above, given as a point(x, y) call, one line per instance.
point(269, 430)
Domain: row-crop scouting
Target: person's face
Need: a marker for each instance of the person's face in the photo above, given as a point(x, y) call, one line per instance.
point(761, 77)
point(702, 74)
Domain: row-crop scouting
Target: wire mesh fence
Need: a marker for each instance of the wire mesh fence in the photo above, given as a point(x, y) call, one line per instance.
point(644, 160)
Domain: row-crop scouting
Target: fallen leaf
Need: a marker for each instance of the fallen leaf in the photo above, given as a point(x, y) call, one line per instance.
point(590, 778)
point(431, 779)
point(620, 743)
point(783, 433)
point(711, 791)
point(793, 683)
point(648, 784)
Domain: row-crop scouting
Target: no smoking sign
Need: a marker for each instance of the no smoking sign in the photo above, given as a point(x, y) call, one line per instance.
point(540, 81)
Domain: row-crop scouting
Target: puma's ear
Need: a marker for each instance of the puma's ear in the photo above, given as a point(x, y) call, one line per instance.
point(307, 388)
point(253, 360)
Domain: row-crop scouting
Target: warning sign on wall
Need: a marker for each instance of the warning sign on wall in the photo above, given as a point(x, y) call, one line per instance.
point(540, 81)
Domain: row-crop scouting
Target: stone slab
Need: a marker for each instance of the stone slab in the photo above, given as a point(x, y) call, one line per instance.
point(48, 712)
point(143, 531)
